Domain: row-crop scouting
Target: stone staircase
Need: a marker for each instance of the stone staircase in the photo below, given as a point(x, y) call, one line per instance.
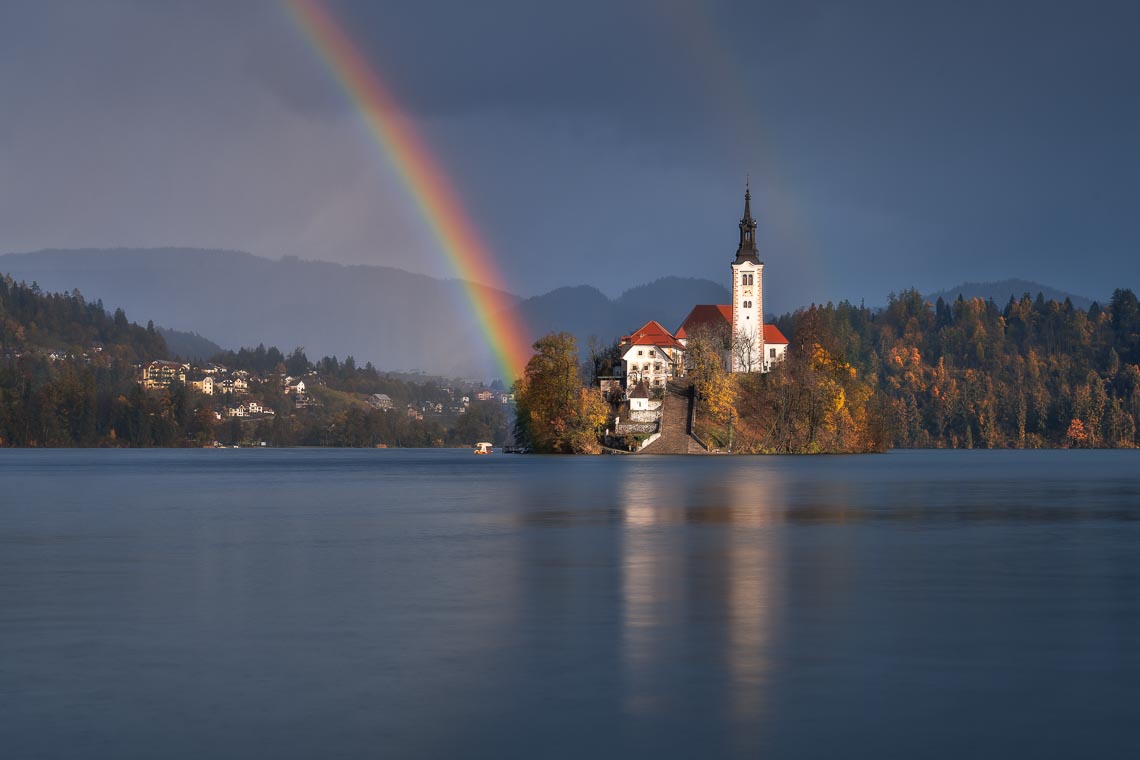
point(676, 423)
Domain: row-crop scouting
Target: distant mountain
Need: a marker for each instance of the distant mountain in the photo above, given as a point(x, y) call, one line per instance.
point(189, 345)
point(585, 311)
point(395, 319)
point(1001, 291)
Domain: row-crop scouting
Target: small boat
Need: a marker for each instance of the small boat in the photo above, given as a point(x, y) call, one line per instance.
point(483, 448)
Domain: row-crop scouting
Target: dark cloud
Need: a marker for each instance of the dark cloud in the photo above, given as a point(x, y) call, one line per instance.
point(890, 143)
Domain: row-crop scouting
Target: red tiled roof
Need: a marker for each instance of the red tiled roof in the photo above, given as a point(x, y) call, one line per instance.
point(651, 334)
point(772, 334)
point(706, 315)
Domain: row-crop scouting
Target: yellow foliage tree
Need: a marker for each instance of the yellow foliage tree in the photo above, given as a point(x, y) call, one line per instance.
point(554, 412)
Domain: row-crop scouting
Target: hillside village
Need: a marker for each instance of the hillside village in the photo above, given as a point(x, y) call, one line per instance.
point(74, 374)
point(246, 395)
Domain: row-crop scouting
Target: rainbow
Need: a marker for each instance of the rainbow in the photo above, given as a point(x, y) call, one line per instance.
point(425, 180)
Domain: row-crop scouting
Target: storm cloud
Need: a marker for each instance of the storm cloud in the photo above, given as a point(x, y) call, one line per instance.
point(889, 144)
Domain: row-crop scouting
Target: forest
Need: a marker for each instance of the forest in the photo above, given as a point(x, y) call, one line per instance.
point(1033, 373)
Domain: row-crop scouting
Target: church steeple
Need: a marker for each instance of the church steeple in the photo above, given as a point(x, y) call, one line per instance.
point(747, 251)
point(747, 296)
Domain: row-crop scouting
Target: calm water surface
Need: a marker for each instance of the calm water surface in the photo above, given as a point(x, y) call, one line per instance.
point(305, 604)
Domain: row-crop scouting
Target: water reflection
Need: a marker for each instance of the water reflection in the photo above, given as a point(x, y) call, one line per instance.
point(752, 582)
point(676, 582)
point(436, 604)
point(652, 579)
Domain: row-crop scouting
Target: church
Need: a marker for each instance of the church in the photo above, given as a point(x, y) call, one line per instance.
point(654, 356)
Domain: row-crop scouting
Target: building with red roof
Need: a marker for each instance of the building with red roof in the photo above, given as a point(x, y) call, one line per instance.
point(706, 317)
point(654, 355)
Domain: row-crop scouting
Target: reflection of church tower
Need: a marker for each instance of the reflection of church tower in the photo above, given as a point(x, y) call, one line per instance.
point(747, 296)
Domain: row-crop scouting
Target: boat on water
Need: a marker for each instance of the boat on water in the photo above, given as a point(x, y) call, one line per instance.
point(483, 448)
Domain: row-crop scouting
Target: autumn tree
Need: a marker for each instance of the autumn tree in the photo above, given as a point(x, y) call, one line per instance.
point(554, 411)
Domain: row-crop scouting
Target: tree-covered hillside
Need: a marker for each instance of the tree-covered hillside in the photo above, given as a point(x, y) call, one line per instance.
point(969, 373)
point(66, 323)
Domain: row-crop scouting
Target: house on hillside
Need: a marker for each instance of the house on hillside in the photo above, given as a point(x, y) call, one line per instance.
point(157, 375)
point(203, 384)
point(639, 397)
point(233, 384)
point(651, 354)
point(380, 401)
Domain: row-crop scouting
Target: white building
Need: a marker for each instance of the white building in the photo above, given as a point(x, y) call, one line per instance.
point(652, 355)
point(639, 398)
point(204, 385)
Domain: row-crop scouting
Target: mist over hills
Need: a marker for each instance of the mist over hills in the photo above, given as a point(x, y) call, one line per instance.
point(395, 319)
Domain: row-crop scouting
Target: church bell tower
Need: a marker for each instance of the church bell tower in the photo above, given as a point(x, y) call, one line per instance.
point(747, 296)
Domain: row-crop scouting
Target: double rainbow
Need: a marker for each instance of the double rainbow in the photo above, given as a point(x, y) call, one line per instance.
point(462, 246)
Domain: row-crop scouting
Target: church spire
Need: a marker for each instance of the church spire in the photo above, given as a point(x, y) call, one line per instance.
point(746, 251)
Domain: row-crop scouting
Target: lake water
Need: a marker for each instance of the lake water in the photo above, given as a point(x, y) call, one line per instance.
point(331, 603)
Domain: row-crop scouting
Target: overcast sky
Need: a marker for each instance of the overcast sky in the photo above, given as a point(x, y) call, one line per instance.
point(890, 143)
